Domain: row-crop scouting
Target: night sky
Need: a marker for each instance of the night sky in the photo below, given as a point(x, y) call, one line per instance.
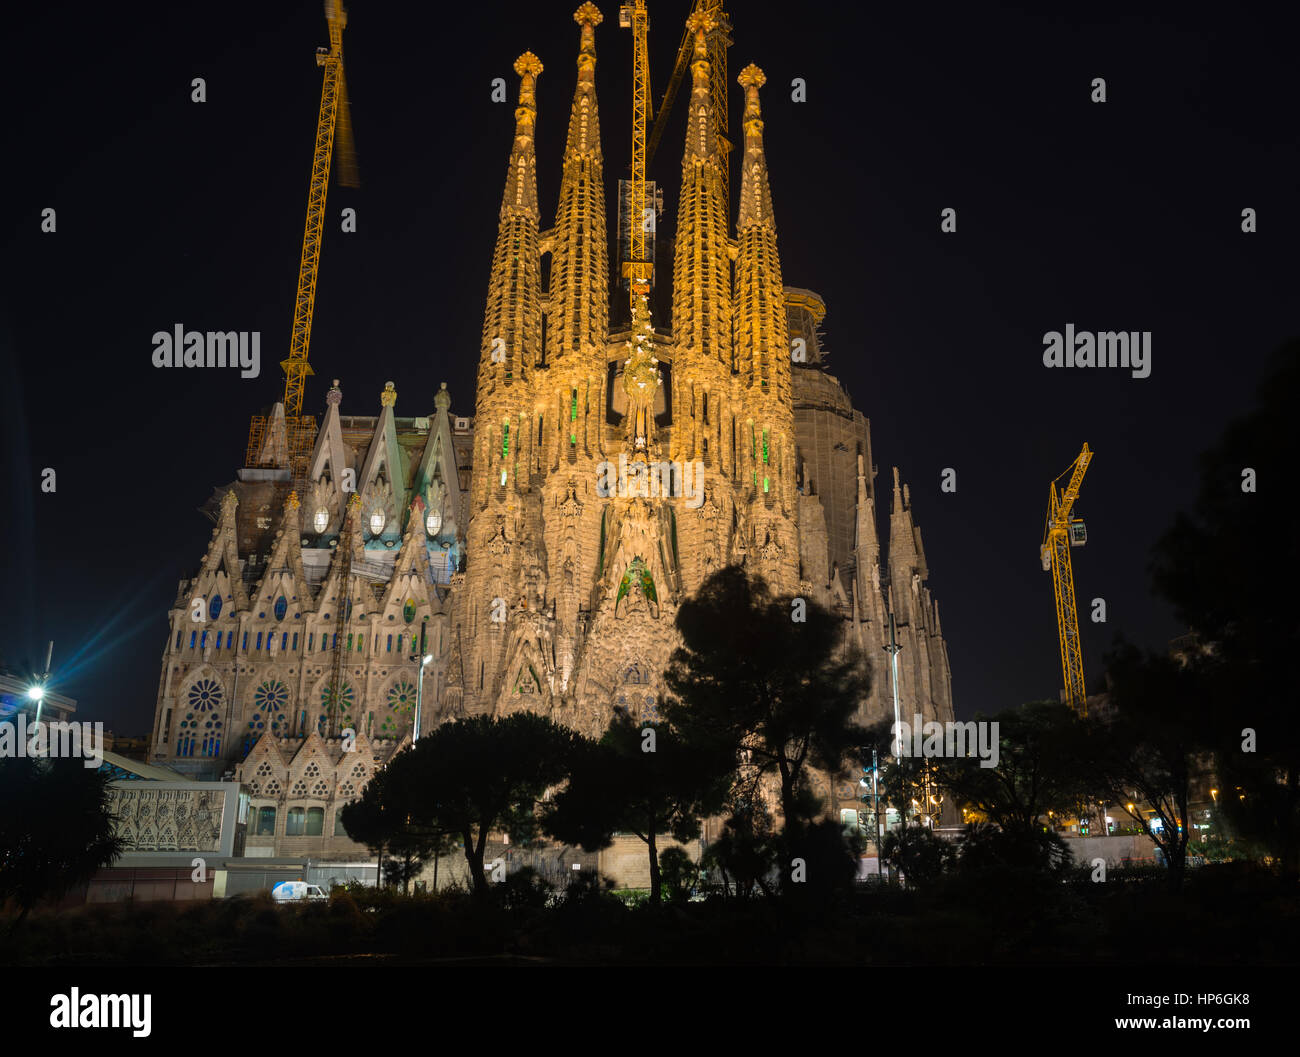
point(1117, 216)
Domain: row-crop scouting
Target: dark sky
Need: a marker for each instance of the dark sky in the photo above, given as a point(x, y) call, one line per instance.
point(1117, 216)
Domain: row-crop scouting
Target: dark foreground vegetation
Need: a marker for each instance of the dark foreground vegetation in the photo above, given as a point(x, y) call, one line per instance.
point(1230, 914)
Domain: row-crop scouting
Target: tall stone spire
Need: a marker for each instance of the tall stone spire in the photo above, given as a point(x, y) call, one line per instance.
point(579, 315)
point(512, 323)
point(907, 570)
point(701, 274)
point(866, 546)
point(762, 346)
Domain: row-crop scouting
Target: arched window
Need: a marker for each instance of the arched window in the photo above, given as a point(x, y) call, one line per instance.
point(202, 722)
point(281, 607)
point(401, 703)
point(264, 825)
point(214, 607)
point(296, 823)
point(315, 821)
point(270, 704)
point(339, 829)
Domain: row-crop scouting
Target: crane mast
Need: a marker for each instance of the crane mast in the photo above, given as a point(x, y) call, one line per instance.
point(638, 269)
point(333, 124)
point(1061, 532)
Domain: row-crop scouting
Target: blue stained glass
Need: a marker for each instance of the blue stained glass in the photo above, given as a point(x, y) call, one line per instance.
point(214, 607)
point(281, 607)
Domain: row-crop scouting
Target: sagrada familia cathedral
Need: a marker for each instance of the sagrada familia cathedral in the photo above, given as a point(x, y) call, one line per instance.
point(537, 553)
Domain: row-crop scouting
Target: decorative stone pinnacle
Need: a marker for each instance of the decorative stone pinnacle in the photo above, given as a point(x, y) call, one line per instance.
point(335, 396)
point(443, 400)
point(588, 16)
point(354, 503)
point(229, 500)
point(389, 396)
point(752, 79)
point(700, 24)
point(292, 502)
point(528, 66)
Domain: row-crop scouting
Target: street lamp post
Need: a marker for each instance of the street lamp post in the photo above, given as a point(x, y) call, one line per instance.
point(37, 690)
point(419, 692)
point(892, 649)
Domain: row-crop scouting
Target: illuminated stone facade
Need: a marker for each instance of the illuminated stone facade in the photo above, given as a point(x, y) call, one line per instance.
point(550, 575)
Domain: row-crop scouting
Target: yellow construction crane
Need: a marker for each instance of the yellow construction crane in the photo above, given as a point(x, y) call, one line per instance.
point(1061, 532)
point(638, 269)
point(334, 123)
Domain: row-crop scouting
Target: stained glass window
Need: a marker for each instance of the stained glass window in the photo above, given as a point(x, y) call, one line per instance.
point(401, 702)
point(281, 607)
point(270, 703)
point(214, 607)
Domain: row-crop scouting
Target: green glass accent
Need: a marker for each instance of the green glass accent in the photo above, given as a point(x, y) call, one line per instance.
point(573, 407)
point(600, 558)
point(755, 478)
point(766, 486)
point(765, 447)
point(505, 440)
point(573, 438)
point(637, 574)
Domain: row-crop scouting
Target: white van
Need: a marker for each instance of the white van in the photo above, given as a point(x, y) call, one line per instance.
point(293, 891)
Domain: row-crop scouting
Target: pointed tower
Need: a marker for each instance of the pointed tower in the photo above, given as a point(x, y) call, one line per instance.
point(512, 323)
point(511, 349)
point(578, 322)
point(763, 358)
point(906, 571)
point(702, 312)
